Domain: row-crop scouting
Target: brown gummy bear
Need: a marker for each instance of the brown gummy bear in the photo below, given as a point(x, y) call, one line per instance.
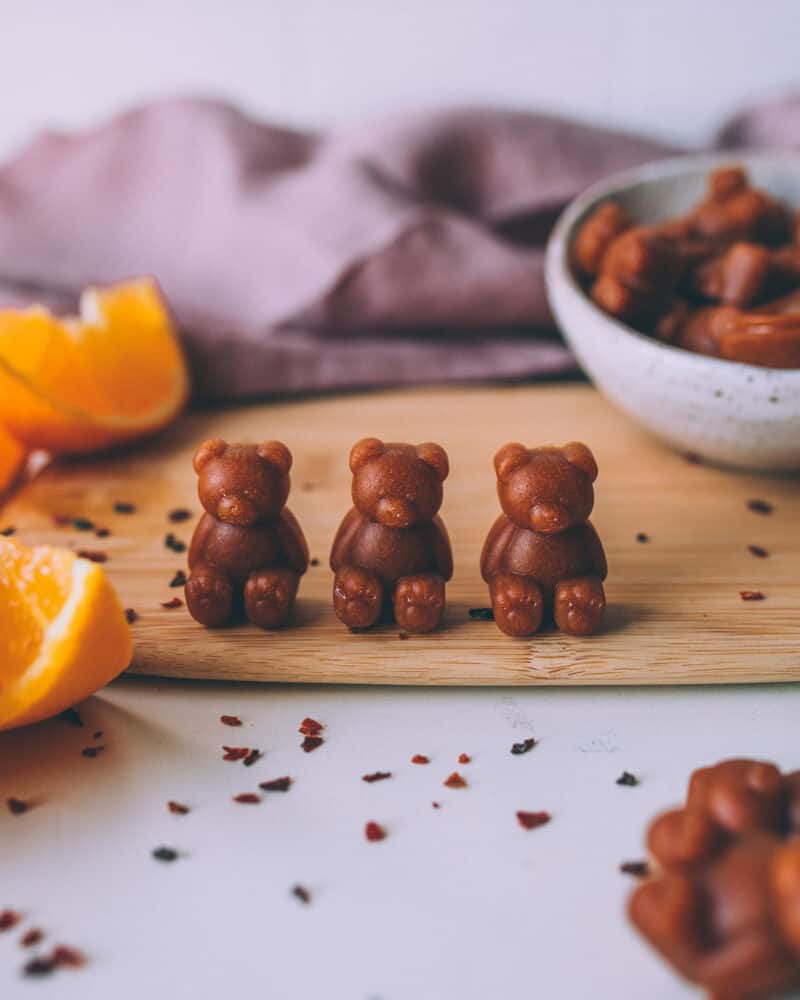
point(723, 906)
point(596, 234)
point(732, 210)
point(248, 551)
point(391, 554)
point(542, 557)
point(639, 272)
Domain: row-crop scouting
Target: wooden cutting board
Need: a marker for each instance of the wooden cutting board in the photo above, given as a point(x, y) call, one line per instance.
point(675, 613)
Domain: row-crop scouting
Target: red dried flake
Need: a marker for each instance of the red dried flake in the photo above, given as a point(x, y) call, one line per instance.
point(436, 805)
point(179, 579)
point(254, 755)
point(175, 602)
point(639, 869)
point(230, 720)
point(9, 919)
point(530, 820)
point(235, 753)
point(310, 727)
point(751, 595)
point(92, 752)
point(757, 551)
point(123, 507)
point(523, 747)
point(31, 938)
point(374, 831)
point(67, 957)
point(455, 781)
point(61, 520)
point(376, 776)
point(179, 514)
point(464, 758)
point(18, 806)
point(92, 555)
point(131, 616)
point(311, 743)
point(177, 808)
point(276, 785)
point(247, 798)
point(760, 506)
point(420, 758)
point(300, 892)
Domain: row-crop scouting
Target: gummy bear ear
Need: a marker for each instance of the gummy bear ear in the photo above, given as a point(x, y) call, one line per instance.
point(579, 455)
point(212, 448)
point(363, 450)
point(277, 454)
point(510, 457)
point(435, 456)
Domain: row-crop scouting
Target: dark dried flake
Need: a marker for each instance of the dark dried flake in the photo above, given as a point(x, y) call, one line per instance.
point(98, 734)
point(72, 716)
point(310, 727)
point(639, 869)
point(31, 938)
point(376, 776)
point(131, 616)
point(481, 614)
point(524, 746)
point(751, 595)
point(179, 579)
point(693, 458)
point(760, 506)
point(92, 752)
point(123, 507)
point(642, 537)
point(626, 778)
point(402, 635)
point(102, 532)
point(173, 543)
point(8, 532)
point(314, 562)
point(230, 720)
point(254, 755)
point(178, 808)
point(436, 805)
point(9, 919)
point(300, 892)
point(165, 854)
point(532, 820)
point(757, 551)
point(276, 785)
point(247, 798)
point(311, 743)
point(82, 524)
point(179, 514)
point(174, 602)
point(17, 806)
point(40, 966)
point(93, 555)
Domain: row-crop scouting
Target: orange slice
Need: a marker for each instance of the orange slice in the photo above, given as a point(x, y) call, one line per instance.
point(12, 455)
point(76, 384)
point(63, 632)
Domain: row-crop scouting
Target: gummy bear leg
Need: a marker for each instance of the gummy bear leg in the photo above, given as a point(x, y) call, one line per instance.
point(517, 603)
point(357, 597)
point(269, 595)
point(579, 605)
point(419, 602)
point(209, 596)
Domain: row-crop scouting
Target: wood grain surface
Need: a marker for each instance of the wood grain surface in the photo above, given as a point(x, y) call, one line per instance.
point(675, 612)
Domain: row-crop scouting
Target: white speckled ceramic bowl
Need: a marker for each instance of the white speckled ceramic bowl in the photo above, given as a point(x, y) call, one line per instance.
point(732, 413)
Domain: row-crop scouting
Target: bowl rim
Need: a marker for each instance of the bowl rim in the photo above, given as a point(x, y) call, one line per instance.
point(559, 271)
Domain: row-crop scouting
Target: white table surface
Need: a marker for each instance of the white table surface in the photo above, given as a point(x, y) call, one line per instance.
point(458, 902)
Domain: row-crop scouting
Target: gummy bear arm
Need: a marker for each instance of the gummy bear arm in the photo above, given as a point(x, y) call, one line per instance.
point(494, 548)
point(293, 542)
point(342, 543)
point(595, 551)
point(440, 545)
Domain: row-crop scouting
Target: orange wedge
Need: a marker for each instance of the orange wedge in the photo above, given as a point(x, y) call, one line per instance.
point(63, 632)
point(12, 455)
point(76, 384)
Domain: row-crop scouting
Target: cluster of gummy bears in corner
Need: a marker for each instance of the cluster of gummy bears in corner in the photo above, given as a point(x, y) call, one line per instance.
point(391, 556)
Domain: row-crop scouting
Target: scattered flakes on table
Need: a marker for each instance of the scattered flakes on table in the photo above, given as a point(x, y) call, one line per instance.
point(165, 854)
point(455, 780)
point(247, 798)
point(311, 743)
point(235, 753)
point(420, 758)
point(760, 506)
point(639, 869)
point(310, 727)
point(277, 785)
point(751, 595)
point(9, 919)
point(179, 514)
point(374, 831)
point(178, 808)
point(626, 778)
point(18, 806)
point(481, 614)
point(376, 776)
point(173, 602)
point(131, 616)
point(300, 892)
point(179, 579)
point(532, 820)
point(92, 752)
point(123, 507)
point(524, 747)
point(230, 720)
point(31, 938)
point(757, 551)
